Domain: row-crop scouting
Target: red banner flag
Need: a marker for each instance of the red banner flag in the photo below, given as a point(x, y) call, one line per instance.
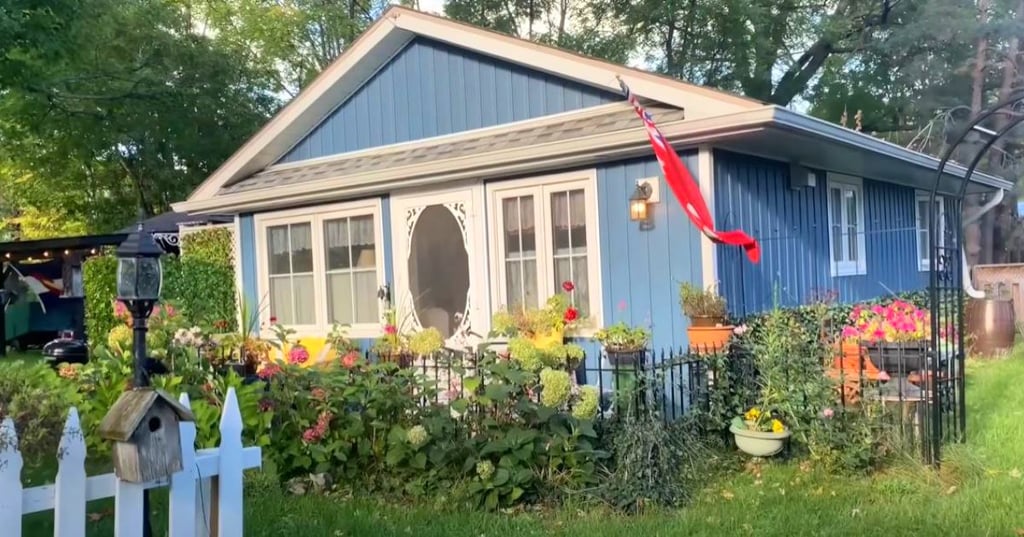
point(685, 187)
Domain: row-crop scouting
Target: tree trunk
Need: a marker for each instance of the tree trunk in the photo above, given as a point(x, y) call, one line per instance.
point(973, 232)
point(996, 230)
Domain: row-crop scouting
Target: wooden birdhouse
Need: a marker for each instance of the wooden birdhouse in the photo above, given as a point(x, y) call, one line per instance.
point(144, 426)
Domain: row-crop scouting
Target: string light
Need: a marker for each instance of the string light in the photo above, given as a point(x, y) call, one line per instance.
point(66, 252)
point(8, 255)
point(93, 251)
point(46, 254)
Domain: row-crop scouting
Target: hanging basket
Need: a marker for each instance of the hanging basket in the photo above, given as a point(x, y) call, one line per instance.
point(625, 357)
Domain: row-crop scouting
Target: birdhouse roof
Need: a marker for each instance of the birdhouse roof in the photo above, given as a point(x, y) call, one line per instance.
point(125, 416)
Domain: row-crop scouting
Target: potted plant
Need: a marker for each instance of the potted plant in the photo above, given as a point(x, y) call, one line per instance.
point(399, 347)
point(708, 330)
point(624, 345)
point(760, 433)
point(896, 337)
point(536, 336)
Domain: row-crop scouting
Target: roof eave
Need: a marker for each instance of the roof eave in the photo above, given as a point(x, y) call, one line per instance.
point(793, 120)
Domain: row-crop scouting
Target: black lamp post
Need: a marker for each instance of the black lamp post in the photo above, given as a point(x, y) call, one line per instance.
point(139, 277)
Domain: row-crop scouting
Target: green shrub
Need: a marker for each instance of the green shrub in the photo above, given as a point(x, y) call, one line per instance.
point(205, 288)
point(654, 463)
point(201, 284)
point(99, 278)
point(37, 400)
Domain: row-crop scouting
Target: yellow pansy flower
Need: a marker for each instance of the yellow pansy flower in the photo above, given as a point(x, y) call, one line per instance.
point(777, 426)
point(752, 414)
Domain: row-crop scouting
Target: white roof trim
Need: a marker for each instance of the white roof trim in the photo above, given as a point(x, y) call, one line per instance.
point(396, 27)
point(793, 120)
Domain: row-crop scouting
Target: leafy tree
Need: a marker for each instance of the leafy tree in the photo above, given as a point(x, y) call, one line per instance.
point(131, 106)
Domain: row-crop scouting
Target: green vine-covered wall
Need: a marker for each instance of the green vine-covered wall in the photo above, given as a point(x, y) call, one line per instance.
point(200, 284)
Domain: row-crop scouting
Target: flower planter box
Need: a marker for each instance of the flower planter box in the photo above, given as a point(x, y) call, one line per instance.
point(899, 358)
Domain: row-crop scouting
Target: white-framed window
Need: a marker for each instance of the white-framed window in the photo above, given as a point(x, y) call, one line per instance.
point(320, 266)
point(846, 241)
point(543, 233)
point(923, 219)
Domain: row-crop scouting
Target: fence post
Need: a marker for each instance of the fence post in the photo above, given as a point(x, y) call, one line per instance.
point(69, 494)
point(229, 481)
point(128, 509)
point(183, 518)
point(10, 479)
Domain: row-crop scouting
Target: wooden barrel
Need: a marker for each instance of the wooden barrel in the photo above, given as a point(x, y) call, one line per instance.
point(991, 325)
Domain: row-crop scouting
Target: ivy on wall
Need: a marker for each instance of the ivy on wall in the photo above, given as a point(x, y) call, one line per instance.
point(201, 284)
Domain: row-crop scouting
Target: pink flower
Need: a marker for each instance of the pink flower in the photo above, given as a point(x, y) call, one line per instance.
point(318, 393)
point(266, 405)
point(878, 310)
point(828, 413)
point(349, 360)
point(568, 286)
point(390, 329)
point(740, 330)
point(298, 355)
point(849, 332)
point(268, 371)
point(309, 436)
point(622, 305)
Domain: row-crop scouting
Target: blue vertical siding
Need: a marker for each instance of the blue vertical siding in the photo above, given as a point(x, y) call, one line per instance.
point(641, 269)
point(247, 259)
point(792, 226)
point(430, 89)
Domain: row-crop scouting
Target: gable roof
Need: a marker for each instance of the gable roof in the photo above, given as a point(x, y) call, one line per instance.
point(393, 31)
point(124, 417)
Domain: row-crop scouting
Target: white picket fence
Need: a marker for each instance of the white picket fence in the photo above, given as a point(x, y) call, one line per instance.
point(205, 497)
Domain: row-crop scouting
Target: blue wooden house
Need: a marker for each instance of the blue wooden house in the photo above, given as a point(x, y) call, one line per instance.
point(464, 170)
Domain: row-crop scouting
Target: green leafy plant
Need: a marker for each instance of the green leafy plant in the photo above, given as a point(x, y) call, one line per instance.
point(697, 302)
point(620, 337)
point(37, 401)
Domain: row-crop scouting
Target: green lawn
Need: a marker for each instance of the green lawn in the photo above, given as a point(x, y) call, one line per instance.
point(978, 492)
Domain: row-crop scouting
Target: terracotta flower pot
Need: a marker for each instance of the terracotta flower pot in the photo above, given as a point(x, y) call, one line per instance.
point(853, 359)
point(709, 338)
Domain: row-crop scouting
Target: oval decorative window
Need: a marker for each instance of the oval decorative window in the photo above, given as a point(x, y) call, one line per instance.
point(438, 270)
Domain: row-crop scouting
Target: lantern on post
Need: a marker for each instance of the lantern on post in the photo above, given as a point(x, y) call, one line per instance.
point(139, 278)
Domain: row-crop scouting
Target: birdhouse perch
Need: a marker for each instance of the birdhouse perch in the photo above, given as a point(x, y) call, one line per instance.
point(144, 426)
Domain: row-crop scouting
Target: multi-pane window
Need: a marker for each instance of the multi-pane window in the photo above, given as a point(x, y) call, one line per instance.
point(520, 231)
point(846, 225)
point(321, 268)
point(924, 228)
point(290, 250)
point(545, 231)
point(351, 267)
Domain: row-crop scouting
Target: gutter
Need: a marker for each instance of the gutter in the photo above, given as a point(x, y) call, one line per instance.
point(836, 133)
point(968, 284)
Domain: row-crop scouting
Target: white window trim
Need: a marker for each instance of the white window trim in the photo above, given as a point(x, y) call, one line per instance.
point(847, 268)
point(541, 187)
point(923, 261)
point(315, 216)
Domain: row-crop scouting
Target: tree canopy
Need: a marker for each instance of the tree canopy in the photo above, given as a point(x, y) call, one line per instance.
point(108, 104)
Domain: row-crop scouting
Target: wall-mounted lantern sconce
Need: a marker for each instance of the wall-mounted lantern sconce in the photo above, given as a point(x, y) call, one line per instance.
point(646, 193)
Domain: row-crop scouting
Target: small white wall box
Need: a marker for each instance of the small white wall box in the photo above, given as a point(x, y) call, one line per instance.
point(801, 177)
point(144, 426)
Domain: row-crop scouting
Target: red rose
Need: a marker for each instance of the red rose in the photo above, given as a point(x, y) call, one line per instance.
point(568, 286)
point(273, 319)
point(390, 330)
point(571, 315)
